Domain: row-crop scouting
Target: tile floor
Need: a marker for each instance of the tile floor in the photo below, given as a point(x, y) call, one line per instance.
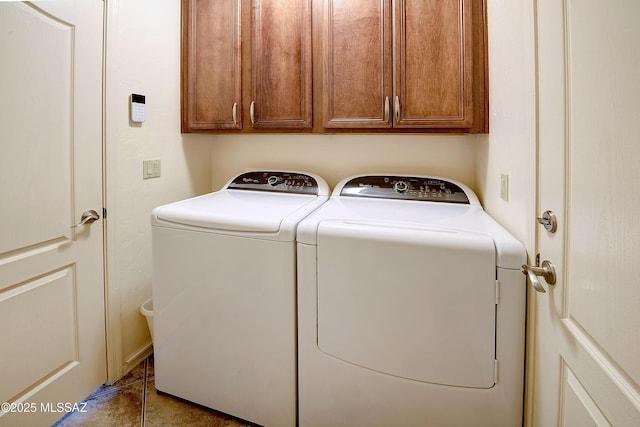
point(134, 401)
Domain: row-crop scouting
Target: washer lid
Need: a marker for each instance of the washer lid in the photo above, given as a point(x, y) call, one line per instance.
point(238, 210)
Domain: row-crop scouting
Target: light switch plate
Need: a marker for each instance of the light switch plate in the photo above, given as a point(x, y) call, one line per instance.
point(151, 168)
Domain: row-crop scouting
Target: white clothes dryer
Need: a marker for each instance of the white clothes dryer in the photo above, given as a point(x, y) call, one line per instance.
point(411, 308)
point(224, 286)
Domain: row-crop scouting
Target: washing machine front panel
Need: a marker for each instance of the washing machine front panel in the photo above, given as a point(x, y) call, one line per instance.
point(224, 294)
point(417, 303)
point(224, 318)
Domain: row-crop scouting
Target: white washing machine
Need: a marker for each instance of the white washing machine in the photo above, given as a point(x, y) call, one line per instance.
point(411, 308)
point(224, 294)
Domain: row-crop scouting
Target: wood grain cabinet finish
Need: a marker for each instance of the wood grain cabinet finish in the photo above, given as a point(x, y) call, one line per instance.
point(425, 69)
point(265, 83)
point(357, 64)
point(391, 65)
point(281, 72)
point(211, 65)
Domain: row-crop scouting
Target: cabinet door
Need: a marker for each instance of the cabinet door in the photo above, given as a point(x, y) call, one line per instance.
point(433, 64)
point(357, 81)
point(211, 73)
point(281, 81)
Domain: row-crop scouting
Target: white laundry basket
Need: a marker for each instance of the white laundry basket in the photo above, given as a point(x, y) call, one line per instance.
point(147, 310)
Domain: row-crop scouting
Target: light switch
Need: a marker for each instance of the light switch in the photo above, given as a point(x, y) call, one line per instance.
point(151, 168)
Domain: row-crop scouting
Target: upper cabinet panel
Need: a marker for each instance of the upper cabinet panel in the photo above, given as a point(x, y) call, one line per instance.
point(211, 65)
point(433, 63)
point(419, 72)
point(357, 63)
point(281, 81)
point(276, 71)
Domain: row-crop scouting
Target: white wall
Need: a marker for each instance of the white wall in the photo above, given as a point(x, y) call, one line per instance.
point(143, 46)
point(334, 157)
point(510, 147)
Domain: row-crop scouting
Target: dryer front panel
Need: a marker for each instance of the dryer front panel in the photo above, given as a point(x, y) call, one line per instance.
point(408, 301)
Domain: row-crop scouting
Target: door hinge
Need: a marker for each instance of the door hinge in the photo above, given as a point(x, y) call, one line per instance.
point(497, 296)
point(104, 213)
point(495, 371)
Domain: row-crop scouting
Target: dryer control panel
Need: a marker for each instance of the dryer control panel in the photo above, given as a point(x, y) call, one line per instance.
point(405, 188)
point(276, 181)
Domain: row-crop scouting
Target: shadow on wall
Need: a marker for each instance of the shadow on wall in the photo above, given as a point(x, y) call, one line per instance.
point(197, 149)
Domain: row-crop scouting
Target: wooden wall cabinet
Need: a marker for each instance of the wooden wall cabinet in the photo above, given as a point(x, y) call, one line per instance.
point(211, 65)
point(281, 75)
point(390, 65)
point(417, 64)
point(246, 64)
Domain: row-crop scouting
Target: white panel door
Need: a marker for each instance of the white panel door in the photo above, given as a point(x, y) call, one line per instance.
point(52, 352)
point(587, 330)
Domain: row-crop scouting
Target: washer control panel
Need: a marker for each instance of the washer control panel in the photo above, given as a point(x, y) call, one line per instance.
point(277, 181)
point(405, 188)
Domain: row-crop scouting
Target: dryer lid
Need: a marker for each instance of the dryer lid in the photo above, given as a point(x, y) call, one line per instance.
point(238, 210)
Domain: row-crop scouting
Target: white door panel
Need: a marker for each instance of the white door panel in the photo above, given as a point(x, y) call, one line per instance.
point(37, 92)
point(587, 355)
point(51, 275)
point(579, 408)
point(603, 177)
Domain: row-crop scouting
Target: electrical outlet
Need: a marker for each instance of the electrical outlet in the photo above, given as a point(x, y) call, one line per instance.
point(151, 168)
point(504, 186)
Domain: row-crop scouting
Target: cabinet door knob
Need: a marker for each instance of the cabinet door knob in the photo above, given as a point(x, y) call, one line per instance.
point(252, 112)
point(397, 109)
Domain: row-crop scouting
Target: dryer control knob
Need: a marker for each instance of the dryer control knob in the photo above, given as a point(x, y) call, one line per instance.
point(274, 180)
point(401, 186)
